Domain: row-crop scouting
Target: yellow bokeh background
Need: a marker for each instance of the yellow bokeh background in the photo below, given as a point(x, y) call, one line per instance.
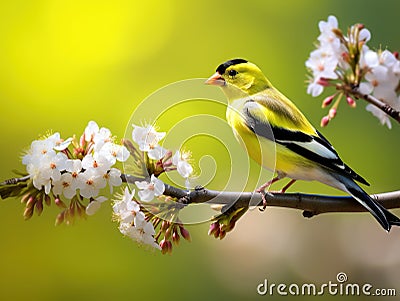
point(63, 63)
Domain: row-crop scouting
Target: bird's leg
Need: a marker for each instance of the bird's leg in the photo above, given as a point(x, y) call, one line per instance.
point(267, 184)
point(286, 187)
point(261, 189)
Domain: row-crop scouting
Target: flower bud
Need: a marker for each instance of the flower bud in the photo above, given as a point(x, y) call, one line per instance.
point(222, 234)
point(168, 155)
point(28, 212)
point(332, 113)
point(169, 243)
point(216, 233)
point(396, 54)
point(167, 164)
point(327, 101)
point(231, 225)
point(82, 140)
point(78, 152)
point(81, 211)
point(323, 82)
point(39, 206)
point(31, 202)
point(213, 227)
point(25, 198)
point(175, 238)
point(164, 246)
point(185, 233)
point(60, 203)
point(71, 211)
point(60, 218)
point(47, 200)
point(168, 233)
point(164, 225)
point(324, 121)
point(346, 56)
point(338, 33)
point(351, 102)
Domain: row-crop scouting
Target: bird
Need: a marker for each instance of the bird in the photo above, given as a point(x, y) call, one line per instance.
point(278, 136)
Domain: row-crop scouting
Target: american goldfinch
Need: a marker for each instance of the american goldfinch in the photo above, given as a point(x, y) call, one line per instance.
point(280, 138)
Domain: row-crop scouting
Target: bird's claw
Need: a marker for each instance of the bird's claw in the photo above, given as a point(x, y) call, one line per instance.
point(264, 201)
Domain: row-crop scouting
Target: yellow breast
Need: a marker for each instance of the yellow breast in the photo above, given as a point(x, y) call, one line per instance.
point(265, 152)
point(261, 150)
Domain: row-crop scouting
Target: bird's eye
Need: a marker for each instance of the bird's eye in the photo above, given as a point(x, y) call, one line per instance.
point(232, 73)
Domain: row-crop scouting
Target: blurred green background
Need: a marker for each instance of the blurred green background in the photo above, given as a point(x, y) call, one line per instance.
point(64, 63)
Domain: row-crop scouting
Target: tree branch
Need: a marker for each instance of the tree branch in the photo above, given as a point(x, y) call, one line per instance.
point(378, 103)
point(311, 204)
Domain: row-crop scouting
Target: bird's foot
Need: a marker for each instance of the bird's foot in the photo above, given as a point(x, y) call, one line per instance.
point(264, 201)
point(261, 190)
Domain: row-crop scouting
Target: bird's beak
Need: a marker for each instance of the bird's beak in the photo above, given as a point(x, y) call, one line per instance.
point(215, 80)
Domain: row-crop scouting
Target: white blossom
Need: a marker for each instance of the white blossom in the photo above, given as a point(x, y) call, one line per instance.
point(75, 168)
point(91, 183)
point(142, 235)
point(91, 130)
point(38, 179)
point(148, 138)
point(133, 222)
point(126, 208)
point(382, 81)
point(364, 35)
point(39, 149)
point(113, 152)
point(324, 61)
point(66, 186)
point(396, 69)
point(327, 36)
point(59, 144)
point(46, 169)
point(113, 178)
point(99, 136)
point(331, 23)
point(97, 162)
point(322, 66)
point(379, 70)
point(148, 190)
point(141, 231)
point(315, 89)
point(95, 205)
point(378, 113)
point(182, 165)
point(102, 137)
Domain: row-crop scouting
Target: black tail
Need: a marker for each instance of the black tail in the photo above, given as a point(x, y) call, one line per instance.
point(381, 214)
point(392, 219)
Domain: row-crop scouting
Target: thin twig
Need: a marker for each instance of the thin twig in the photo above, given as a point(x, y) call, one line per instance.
point(14, 181)
point(395, 114)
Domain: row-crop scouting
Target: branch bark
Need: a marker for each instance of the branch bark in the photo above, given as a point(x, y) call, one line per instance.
point(395, 114)
point(311, 204)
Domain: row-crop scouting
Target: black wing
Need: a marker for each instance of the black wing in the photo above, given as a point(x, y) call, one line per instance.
point(312, 147)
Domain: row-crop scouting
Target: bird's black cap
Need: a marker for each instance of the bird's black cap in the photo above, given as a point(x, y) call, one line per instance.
point(221, 68)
